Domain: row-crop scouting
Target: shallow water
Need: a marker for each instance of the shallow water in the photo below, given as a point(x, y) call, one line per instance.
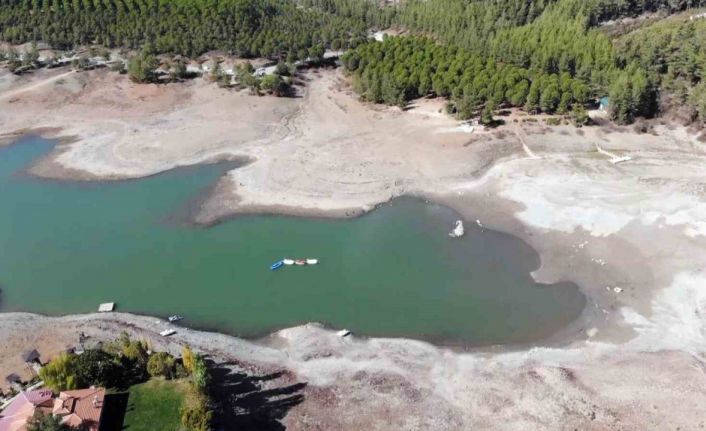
point(65, 247)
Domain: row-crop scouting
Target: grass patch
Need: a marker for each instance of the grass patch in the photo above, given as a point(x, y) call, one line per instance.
point(154, 406)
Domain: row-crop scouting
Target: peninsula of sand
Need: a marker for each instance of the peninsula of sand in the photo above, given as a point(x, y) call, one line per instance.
point(632, 235)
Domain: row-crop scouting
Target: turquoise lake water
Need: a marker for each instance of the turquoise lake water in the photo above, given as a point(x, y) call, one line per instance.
point(65, 247)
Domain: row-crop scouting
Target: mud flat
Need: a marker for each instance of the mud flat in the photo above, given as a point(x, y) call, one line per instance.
point(630, 234)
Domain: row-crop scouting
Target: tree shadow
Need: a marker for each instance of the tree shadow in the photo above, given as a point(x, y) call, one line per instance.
point(247, 402)
point(114, 409)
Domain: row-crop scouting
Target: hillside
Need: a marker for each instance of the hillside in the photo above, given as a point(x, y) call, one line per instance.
point(549, 56)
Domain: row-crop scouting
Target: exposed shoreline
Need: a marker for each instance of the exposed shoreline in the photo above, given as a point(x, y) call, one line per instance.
point(591, 221)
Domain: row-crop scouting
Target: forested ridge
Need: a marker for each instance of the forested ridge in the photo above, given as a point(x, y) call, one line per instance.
point(270, 28)
point(542, 55)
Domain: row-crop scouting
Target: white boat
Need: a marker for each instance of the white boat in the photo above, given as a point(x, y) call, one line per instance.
point(343, 333)
point(288, 261)
point(458, 230)
point(312, 261)
point(106, 307)
point(167, 332)
point(175, 318)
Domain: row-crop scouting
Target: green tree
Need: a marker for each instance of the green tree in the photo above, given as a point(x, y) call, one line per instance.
point(60, 373)
point(316, 53)
point(622, 108)
point(486, 116)
point(45, 422)
point(282, 69)
point(532, 103)
point(140, 68)
point(580, 115)
point(550, 98)
point(96, 367)
point(275, 84)
point(200, 375)
point(564, 103)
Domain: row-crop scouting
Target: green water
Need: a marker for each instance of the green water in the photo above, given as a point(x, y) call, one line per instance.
point(66, 247)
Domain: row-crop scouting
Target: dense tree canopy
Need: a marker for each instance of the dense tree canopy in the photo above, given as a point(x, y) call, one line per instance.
point(270, 28)
point(543, 55)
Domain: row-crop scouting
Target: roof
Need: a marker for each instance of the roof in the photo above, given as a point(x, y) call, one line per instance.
point(15, 416)
point(83, 406)
point(30, 356)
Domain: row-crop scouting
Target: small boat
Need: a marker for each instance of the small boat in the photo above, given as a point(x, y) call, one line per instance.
point(344, 333)
point(167, 332)
point(175, 318)
point(276, 265)
point(300, 262)
point(312, 261)
point(458, 230)
point(288, 261)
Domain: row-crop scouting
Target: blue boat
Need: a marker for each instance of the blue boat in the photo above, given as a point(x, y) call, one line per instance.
point(276, 265)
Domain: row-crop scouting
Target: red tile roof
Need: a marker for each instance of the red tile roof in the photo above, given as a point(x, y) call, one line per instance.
point(83, 406)
point(15, 416)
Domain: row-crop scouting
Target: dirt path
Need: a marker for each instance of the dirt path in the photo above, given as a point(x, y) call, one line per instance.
point(13, 93)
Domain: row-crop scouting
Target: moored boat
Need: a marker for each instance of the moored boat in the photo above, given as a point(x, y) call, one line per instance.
point(175, 318)
point(312, 261)
point(276, 265)
point(300, 262)
point(288, 261)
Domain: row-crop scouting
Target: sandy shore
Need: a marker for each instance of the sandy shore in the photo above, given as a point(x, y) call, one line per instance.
point(630, 234)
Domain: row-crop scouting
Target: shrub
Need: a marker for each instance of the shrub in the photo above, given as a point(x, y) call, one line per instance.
point(195, 412)
point(200, 374)
point(160, 365)
point(188, 358)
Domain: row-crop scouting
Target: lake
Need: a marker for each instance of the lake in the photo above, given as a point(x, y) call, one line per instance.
point(65, 247)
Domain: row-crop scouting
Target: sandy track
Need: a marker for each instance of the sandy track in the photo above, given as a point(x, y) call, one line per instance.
point(634, 361)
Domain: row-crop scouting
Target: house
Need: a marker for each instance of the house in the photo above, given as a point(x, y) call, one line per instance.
point(82, 407)
point(23, 407)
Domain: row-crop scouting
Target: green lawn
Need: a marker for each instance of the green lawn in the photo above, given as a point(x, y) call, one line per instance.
point(154, 406)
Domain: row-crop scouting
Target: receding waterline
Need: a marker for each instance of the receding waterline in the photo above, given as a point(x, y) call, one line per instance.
point(395, 272)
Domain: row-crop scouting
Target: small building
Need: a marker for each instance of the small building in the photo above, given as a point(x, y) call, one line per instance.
point(81, 408)
point(23, 407)
point(604, 103)
point(32, 359)
point(15, 381)
point(31, 356)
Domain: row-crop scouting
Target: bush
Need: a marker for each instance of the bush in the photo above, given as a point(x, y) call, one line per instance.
point(195, 412)
point(188, 358)
point(200, 374)
point(161, 365)
point(141, 67)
